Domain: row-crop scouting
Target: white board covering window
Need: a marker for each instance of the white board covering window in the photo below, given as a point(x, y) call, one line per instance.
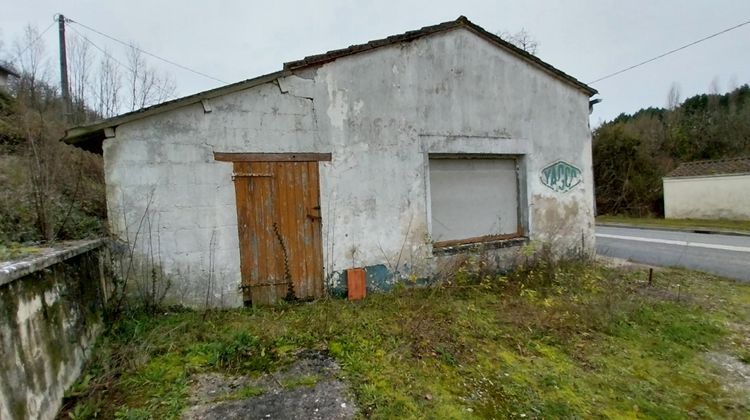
point(473, 199)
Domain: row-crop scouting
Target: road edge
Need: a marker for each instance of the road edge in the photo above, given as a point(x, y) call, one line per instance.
point(698, 229)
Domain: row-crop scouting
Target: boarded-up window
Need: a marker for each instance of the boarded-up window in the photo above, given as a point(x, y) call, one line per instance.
point(473, 199)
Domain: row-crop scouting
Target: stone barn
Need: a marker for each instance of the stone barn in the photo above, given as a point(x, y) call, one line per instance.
point(401, 156)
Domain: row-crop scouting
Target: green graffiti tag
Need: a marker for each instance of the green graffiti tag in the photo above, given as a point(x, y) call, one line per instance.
point(561, 176)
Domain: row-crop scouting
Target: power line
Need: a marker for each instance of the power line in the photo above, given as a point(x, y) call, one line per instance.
point(147, 53)
point(118, 62)
point(31, 44)
point(103, 51)
point(670, 52)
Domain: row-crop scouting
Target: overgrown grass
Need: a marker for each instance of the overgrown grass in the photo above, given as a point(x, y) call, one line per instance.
point(721, 224)
point(566, 341)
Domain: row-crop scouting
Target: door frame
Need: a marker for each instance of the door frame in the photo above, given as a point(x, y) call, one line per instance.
point(272, 157)
point(246, 283)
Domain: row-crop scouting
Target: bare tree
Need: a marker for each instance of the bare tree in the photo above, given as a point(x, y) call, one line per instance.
point(38, 120)
point(79, 61)
point(146, 86)
point(521, 39)
point(713, 94)
point(32, 62)
point(673, 97)
point(109, 85)
point(714, 88)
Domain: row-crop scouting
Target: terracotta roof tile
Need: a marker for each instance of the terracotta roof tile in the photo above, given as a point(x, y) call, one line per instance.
point(712, 167)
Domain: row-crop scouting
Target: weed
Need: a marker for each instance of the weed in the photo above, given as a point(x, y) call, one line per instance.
point(245, 392)
point(590, 342)
point(132, 414)
point(307, 381)
point(244, 352)
point(83, 411)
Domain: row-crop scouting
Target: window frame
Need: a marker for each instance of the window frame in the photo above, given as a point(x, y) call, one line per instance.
point(520, 233)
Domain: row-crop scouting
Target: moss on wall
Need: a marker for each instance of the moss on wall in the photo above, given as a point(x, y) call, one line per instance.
point(48, 320)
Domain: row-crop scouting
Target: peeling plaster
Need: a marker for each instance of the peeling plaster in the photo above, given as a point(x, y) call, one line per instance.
point(380, 114)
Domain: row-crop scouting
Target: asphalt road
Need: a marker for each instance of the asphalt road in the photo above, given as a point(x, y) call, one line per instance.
point(724, 255)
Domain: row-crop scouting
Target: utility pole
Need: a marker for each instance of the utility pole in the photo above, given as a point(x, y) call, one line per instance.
point(64, 68)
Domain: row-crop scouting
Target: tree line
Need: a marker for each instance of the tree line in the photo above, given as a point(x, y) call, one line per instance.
point(634, 151)
point(50, 190)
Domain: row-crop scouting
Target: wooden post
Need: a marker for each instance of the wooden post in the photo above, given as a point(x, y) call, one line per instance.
point(650, 276)
point(64, 68)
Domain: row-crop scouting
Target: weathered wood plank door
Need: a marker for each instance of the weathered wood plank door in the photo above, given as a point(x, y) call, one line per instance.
point(279, 222)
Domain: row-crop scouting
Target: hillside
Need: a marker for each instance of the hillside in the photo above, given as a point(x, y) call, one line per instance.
point(633, 152)
point(50, 191)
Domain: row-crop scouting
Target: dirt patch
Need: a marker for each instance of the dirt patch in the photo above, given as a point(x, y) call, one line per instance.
point(613, 262)
point(735, 374)
point(309, 388)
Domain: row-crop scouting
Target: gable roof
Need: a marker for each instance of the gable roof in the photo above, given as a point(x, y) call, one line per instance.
point(712, 167)
point(89, 137)
point(461, 22)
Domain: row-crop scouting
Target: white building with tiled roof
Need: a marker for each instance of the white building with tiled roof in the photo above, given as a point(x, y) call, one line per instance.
point(708, 189)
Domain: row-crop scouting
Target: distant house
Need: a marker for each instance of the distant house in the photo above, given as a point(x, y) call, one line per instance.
point(399, 156)
point(5, 73)
point(709, 189)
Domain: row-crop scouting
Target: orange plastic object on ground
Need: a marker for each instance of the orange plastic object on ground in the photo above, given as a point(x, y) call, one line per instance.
point(355, 283)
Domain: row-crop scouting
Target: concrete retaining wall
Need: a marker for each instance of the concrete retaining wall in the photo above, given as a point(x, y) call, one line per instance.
point(49, 319)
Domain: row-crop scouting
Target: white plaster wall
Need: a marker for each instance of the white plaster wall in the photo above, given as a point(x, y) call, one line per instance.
point(449, 93)
point(380, 114)
point(168, 196)
point(712, 197)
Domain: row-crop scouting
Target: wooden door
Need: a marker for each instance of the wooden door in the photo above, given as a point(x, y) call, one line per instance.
point(279, 220)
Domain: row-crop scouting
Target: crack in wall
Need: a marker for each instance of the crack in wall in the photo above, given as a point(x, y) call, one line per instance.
point(312, 105)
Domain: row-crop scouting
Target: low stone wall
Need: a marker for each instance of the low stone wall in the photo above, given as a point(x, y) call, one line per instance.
point(50, 316)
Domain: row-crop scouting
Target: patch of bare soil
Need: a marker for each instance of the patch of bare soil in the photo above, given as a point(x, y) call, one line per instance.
point(735, 374)
point(614, 262)
point(309, 389)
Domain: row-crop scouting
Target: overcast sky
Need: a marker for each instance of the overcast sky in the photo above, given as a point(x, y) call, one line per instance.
point(235, 40)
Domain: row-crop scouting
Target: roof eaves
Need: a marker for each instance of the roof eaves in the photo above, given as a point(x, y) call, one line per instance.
point(717, 167)
point(82, 135)
point(319, 59)
point(559, 74)
point(716, 175)
point(462, 21)
point(9, 70)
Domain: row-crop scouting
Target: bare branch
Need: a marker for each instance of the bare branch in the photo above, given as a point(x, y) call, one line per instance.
point(521, 39)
